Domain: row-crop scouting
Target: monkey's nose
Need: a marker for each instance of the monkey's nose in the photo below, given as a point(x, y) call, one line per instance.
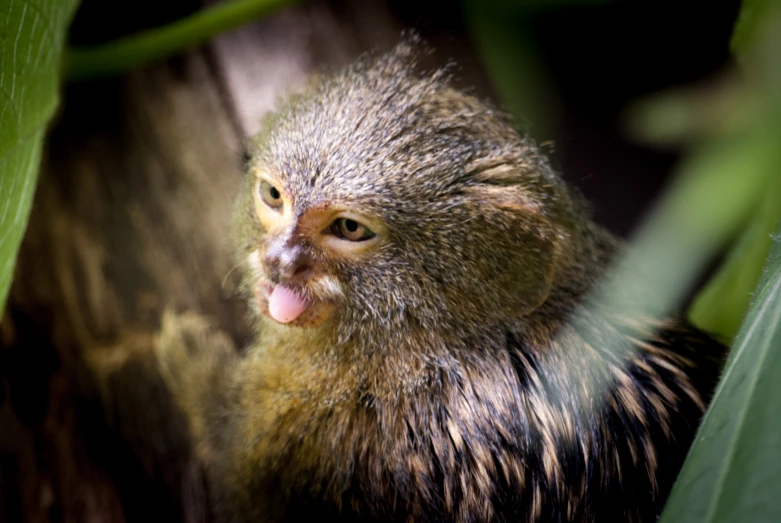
point(286, 263)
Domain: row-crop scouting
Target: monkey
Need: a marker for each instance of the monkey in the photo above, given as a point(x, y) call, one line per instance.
point(417, 274)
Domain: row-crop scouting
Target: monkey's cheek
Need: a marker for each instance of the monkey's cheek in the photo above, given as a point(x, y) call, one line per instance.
point(262, 292)
point(315, 315)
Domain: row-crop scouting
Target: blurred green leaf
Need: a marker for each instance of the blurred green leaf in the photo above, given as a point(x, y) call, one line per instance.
point(713, 194)
point(733, 470)
point(739, 112)
point(84, 63)
point(721, 305)
point(501, 37)
point(691, 114)
point(32, 35)
point(751, 23)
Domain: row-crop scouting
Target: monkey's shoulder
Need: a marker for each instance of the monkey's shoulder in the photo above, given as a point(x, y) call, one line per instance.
point(514, 433)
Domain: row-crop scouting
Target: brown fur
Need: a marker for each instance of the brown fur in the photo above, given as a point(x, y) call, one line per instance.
point(448, 383)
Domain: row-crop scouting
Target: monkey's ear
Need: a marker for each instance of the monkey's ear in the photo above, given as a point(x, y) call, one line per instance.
point(527, 246)
point(534, 263)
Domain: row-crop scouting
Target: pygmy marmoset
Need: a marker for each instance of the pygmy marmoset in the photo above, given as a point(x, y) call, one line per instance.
point(413, 264)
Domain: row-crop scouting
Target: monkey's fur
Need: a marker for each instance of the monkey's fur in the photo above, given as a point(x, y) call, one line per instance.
point(448, 383)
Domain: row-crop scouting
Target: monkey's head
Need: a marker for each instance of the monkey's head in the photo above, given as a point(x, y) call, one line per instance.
point(383, 200)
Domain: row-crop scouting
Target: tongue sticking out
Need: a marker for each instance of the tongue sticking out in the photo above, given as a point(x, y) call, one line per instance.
point(284, 305)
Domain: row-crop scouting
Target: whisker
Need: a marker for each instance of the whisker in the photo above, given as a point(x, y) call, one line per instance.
point(227, 275)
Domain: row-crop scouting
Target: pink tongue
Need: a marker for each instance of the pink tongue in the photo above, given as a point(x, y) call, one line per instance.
point(284, 305)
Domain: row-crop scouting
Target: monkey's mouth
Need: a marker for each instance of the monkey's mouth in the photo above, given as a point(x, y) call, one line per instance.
point(287, 305)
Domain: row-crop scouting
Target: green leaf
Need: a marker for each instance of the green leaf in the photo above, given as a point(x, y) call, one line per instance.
point(753, 17)
point(511, 59)
point(733, 470)
point(87, 63)
point(32, 35)
point(720, 307)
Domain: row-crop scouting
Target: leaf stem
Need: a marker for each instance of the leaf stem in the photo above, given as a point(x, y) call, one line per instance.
point(84, 63)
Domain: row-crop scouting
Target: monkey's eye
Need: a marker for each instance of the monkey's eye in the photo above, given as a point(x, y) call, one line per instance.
point(351, 230)
point(270, 195)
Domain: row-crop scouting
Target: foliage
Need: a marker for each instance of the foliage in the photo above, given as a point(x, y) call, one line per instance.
point(749, 26)
point(739, 120)
point(133, 51)
point(32, 36)
point(501, 38)
point(732, 472)
point(734, 467)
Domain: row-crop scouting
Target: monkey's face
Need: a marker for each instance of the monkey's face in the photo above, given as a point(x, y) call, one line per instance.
point(387, 202)
point(299, 260)
point(374, 255)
